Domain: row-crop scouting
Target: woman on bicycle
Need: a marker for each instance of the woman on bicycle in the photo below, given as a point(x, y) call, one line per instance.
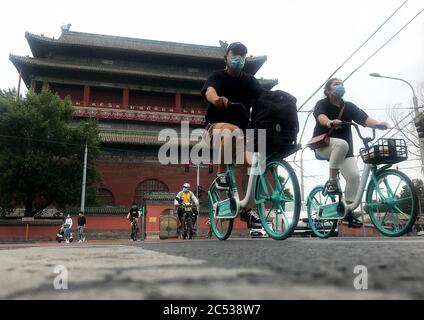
point(339, 152)
point(221, 88)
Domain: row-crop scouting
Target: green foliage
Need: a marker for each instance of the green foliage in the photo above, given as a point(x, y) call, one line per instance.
point(419, 189)
point(42, 152)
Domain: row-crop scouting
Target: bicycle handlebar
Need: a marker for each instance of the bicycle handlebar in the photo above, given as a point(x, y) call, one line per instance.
point(365, 140)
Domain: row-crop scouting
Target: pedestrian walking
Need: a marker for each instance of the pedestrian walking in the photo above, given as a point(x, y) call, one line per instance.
point(81, 227)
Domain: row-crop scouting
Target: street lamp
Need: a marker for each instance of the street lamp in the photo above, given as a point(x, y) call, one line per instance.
point(416, 112)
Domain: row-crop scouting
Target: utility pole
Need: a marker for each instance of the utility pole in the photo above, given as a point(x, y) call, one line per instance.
point(198, 181)
point(84, 177)
point(302, 186)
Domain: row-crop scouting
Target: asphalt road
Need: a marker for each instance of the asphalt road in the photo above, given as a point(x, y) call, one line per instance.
point(296, 268)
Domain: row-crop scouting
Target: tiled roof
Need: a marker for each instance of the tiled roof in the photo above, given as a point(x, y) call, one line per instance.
point(163, 196)
point(132, 70)
point(154, 73)
point(98, 210)
point(132, 44)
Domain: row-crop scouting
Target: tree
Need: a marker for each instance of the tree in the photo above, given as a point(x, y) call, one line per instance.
point(42, 152)
point(405, 125)
point(419, 189)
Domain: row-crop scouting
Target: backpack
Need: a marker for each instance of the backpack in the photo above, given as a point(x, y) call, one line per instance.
point(276, 111)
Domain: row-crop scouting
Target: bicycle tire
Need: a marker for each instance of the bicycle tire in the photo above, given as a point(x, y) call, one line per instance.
point(226, 225)
point(278, 199)
point(312, 220)
point(413, 205)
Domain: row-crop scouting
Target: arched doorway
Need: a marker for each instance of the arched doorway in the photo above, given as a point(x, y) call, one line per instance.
point(106, 197)
point(150, 185)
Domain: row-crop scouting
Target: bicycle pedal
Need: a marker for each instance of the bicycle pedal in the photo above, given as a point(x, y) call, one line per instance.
point(223, 209)
point(330, 211)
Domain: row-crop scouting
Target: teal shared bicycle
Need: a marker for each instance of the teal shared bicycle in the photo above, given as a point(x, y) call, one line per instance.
point(275, 191)
point(391, 200)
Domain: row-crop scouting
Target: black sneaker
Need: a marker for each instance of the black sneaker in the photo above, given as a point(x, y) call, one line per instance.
point(252, 218)
point(221, 183)
point(352, 221)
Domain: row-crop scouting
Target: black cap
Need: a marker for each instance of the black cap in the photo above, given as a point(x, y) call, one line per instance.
point(237, 48)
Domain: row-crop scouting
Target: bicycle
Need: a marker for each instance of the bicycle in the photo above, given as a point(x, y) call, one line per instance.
point(391, 200)
point(134, 229)
point(276, 193)
point(188, 222)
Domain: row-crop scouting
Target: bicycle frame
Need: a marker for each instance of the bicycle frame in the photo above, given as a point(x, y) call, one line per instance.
point(368, 168)
point(241, 204)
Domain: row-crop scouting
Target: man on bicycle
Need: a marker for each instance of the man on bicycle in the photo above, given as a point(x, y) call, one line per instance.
point(133, 214)
point(186, 197)
point(220, 89)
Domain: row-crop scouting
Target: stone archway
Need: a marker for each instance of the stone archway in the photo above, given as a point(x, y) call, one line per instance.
point(106, 197)
point(150, 185)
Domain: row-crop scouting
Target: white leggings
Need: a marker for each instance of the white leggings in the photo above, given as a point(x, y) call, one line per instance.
point(336, 152)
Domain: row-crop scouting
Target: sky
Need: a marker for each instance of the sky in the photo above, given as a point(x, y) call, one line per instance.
point(304, 40)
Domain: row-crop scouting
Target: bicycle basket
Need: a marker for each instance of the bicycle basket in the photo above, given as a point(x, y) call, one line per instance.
point(385, 151)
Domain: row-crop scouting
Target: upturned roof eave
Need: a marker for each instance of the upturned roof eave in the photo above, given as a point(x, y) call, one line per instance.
point(56, 42)
point(34, 39)
point(20, 60)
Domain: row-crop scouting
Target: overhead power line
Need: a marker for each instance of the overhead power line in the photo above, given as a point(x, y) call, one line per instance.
point(355, 52)
point(384, 44)
point(370, 57)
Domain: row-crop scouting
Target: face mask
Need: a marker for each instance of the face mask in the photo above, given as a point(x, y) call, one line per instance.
point(339, 91)
point(236, 63)
point(185, 189)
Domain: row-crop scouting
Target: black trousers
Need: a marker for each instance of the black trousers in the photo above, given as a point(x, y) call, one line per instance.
point(181, 213)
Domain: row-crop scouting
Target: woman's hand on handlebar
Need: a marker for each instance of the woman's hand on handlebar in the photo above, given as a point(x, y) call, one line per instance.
point(336, 123)
point(382, 126)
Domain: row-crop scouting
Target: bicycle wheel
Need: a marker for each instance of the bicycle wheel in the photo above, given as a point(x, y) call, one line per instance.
point(322, 228)
point(277, 196)
point(392, 203)
point(222, 228)
point(134, 233)
point(190, 228)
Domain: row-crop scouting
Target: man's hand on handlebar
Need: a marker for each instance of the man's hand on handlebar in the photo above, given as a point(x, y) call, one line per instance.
point(221, 102)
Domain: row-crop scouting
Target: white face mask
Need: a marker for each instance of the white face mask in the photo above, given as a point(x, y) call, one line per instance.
point(185, 189)
point(236, 63)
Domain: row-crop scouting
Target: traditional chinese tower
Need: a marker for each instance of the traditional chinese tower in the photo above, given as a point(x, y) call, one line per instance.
point(134, 88)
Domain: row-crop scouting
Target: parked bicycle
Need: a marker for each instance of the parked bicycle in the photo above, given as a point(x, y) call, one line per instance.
point(391, 200)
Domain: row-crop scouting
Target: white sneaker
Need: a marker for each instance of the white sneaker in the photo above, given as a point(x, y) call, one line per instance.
point(67, 241)
point(79, 241)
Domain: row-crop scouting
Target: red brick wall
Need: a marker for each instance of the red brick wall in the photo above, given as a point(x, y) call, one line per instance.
point(238, 224)
point(370, 231)
point(19, 232)
point(122, 179)
point(100, 223)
